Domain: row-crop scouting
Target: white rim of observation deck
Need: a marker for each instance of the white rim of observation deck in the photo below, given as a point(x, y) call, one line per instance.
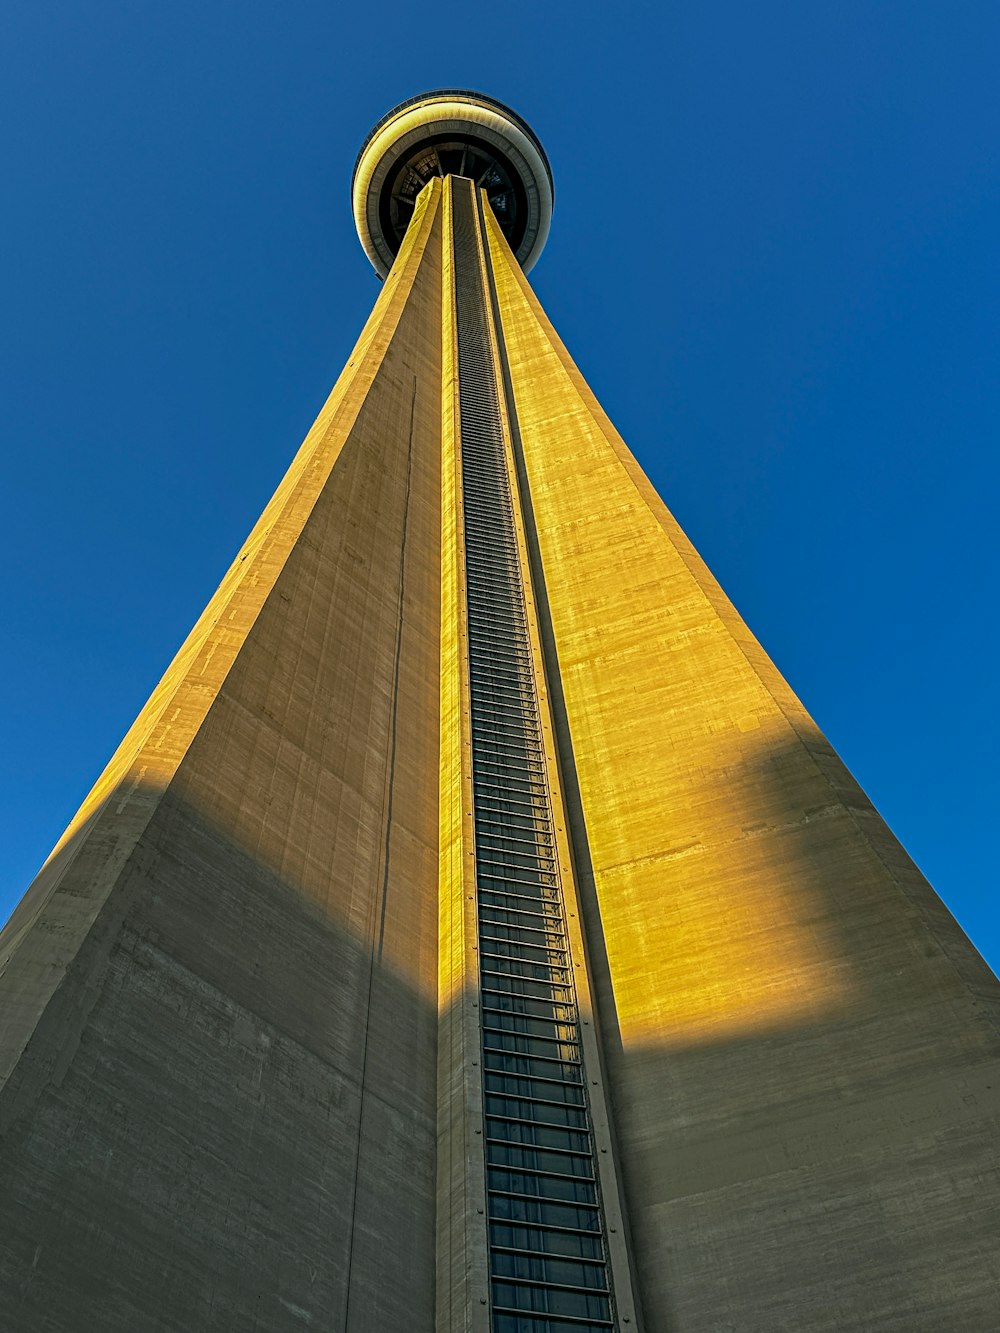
point(401, 153)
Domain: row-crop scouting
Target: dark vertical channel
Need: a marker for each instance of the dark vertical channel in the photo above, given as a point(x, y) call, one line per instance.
point(548, 1258)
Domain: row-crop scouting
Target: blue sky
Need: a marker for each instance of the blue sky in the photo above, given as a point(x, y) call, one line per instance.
point(774, 256)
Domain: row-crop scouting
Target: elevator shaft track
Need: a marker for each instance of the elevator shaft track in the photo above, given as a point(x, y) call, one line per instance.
point(547, 1235)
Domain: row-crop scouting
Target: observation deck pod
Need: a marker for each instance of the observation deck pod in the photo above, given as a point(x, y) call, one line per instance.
point(451, 132)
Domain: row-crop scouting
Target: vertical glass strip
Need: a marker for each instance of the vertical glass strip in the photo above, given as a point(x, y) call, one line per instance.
point(547, 1235)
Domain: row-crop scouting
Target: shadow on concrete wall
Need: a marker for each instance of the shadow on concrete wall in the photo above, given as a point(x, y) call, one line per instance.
point(184, 1141)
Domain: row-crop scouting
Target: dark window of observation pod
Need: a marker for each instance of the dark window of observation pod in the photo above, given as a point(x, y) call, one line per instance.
point(444, 155)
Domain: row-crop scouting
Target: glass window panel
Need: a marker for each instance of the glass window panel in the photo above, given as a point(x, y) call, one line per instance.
point(543, 1268)
point(522, 933)
point(572, 1244)
point(544, 1113)
point(533, 910)
point(553, 1010)
point(517, 895)
point(508, 695)
point(526, 817)
point(507, 740)
point(496, 607)
point(495, 797)
point(539, 1159)
point(496, 667)
point(525, 791)
point(503, 716)
point(503, 681)
point(521, 776)
point(495, 1081)
point(539, 1136)
point(498, 838)
point(531, 1065)
point(508, 822)
point(540, 926)
point(492, 776)
point(494, 859)
point(495, 862)
point(538, 1323)
point(501, 695)
point(550, 1300)
point(543, 1212)
point(515, 967)
point(525, 825)
point(525, 882)
point(510, 911)
point(516, 949)
point(512, 896)
point(518, 1043)
point(507, 746)
point(561, 1188)
point(499, 851)
point(528, 1026)
point(524, 987)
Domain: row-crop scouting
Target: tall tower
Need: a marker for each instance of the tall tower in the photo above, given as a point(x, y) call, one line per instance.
point(474, 932)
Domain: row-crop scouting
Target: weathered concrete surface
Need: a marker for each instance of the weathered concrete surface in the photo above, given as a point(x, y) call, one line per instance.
point(218, 1053)
point(801, 1042)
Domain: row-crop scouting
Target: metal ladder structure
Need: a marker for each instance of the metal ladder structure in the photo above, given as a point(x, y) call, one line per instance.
point(547, 1234)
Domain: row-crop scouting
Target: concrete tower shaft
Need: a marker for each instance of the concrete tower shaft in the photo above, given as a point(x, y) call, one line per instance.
point(474, 933)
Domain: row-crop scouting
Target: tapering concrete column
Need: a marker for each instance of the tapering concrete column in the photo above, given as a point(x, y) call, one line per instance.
point(474, 933)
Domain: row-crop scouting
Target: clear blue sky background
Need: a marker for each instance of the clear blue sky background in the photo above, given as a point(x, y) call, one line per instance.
point(774, 256)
